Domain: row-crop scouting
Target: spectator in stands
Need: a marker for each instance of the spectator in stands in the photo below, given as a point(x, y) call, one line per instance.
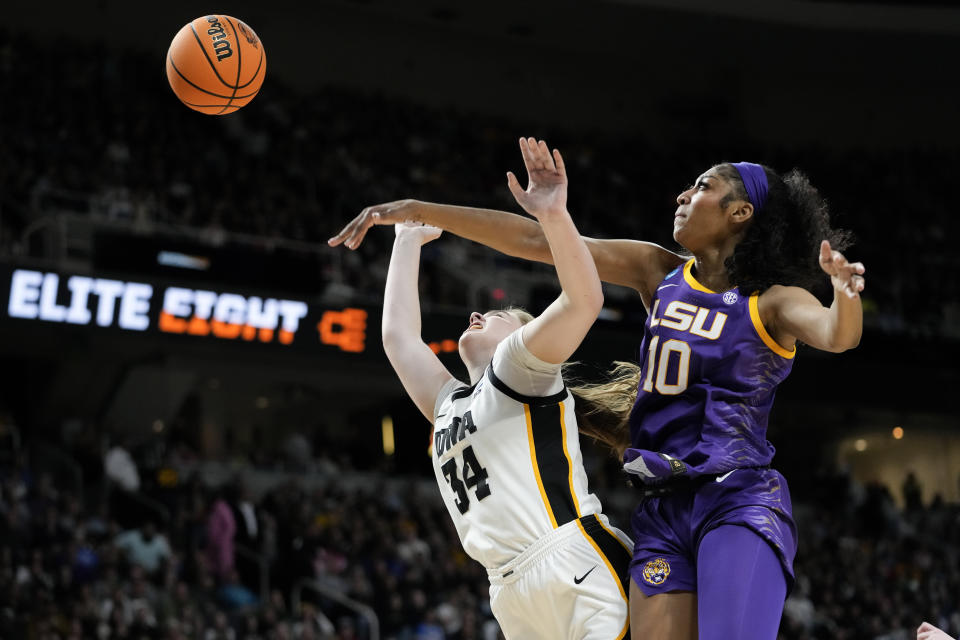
point(145, 547)
point(246, 515)
point(232, 594)
point(121, 468)
point(912, 492)
point(221, 531)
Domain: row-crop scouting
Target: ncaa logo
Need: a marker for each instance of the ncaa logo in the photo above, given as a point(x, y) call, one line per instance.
point(730, 297)
point(656, 571)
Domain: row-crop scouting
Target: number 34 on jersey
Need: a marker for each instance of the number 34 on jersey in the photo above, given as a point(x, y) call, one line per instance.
point(463, 472)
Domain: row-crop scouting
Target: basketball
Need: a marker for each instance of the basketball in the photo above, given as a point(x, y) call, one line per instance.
point(216, 64)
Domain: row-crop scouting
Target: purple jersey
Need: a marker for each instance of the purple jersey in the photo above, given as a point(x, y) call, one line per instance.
point(709, 372)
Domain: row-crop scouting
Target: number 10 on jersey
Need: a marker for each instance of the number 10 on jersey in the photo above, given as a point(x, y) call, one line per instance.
point(474, 477)
point(678, 349)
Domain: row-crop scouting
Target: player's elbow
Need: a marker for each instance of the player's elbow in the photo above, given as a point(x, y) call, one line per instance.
point(592, 307)
point(852, 343)
point(596, 300)
point(844, 344)
point(585, 303)
point(592, 300)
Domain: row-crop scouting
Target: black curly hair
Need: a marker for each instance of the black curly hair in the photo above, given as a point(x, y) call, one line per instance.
point(782, 245)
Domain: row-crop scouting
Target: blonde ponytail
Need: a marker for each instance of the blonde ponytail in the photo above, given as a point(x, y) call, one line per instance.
point(603, 409)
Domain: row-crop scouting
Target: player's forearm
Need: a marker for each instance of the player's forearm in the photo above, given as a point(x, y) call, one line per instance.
point(845, 325)
point(508, 233)
point(401, 297)
point(575, 267)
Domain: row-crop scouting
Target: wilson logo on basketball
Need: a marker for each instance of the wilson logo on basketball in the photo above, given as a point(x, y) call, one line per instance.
point(221, 46)
point(248, 33)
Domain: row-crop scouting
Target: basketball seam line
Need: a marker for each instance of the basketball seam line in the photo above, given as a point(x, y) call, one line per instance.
point(259, 64)
point(199, 88)
point(208, 106)
point(255, 73)
point(197, 36)
point(236, 43)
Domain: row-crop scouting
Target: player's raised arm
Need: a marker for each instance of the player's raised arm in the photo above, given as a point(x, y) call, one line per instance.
point(794, 313)
point(420, 371)
point(630, 263)
point(557, 332)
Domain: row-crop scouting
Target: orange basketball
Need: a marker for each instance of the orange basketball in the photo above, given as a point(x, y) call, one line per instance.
point(216, 64)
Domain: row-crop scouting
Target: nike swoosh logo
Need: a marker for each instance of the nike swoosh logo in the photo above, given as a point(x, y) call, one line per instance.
point(440, 415)
point(579, 580)
point(724, 476)
point(665, 286)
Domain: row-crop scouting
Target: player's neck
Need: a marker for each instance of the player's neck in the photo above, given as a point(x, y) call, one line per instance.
point(475, 371)
point(476, 363)
point(709, 267)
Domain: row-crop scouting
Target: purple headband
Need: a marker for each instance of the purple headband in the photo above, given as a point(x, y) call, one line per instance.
point(754, 181)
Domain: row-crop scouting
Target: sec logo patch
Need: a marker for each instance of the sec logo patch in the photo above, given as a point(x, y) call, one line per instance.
point(656, 571)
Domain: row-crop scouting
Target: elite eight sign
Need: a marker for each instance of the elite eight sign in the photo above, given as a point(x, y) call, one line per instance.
point(202, 313)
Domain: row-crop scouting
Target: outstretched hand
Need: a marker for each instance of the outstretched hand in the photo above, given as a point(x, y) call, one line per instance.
point(424, 233)
point(546, 191)
point(387, 213)
point(929, 632)
point(846, 276)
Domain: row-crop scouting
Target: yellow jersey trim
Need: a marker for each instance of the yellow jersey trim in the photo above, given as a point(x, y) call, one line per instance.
point(688, 276)
point(615, 536)
point(566, 453)
point(536, 467)
point(762, 331)
point(610, 568)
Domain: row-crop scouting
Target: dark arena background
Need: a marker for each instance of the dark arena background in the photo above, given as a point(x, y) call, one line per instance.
point(120, 420)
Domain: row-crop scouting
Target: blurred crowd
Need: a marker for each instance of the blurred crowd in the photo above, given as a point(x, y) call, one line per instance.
point(178, 559)
point(867, 570)
point(106, 137)
point(141, 549)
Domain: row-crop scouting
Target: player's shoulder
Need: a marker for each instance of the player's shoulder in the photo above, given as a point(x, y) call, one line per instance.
point(779, 294)
point(639, 264)
point(511, 347)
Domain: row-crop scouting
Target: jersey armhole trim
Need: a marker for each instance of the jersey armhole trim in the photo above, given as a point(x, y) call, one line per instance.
point(762, 331)
point(537, 401)
point(462, 392)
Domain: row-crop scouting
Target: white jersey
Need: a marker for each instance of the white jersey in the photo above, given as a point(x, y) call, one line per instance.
point(506, 454)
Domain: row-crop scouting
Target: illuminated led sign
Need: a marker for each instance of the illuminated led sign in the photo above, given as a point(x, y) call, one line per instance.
point(169, 309)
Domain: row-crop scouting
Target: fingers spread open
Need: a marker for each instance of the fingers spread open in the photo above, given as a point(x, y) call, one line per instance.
point(528, 160)
point(536, 162)
point(545, 159)
point(558, 160)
